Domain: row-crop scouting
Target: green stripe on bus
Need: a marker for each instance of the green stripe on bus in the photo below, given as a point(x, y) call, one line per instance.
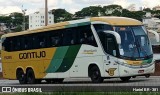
point(147, 61)
point(78, 24)
point(57, 59)
point(69, 58)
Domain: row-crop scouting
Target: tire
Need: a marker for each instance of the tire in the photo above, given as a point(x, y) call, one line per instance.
point(125, 79)
point(31, 77)
point(95, 75)
point(21, 77)
point(147, 76)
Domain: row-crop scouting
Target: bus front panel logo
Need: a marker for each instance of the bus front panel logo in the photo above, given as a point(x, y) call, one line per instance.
point(111, 71)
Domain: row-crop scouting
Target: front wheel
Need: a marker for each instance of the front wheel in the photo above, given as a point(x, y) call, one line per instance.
point(125, 79)
point(96, 75)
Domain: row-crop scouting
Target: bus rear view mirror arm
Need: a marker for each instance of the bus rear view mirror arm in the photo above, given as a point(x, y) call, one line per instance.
point(117, 36)
point(156, 34)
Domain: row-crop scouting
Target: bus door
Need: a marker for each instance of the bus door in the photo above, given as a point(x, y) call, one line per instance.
point(111, 68)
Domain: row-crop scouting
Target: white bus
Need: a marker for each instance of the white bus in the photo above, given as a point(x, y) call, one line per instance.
point(97, 47)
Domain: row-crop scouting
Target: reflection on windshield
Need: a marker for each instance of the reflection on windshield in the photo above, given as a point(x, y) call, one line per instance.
point(135, 43)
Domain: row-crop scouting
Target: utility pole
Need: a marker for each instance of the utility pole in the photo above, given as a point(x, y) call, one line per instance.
point(46, 12)
point(24, 24)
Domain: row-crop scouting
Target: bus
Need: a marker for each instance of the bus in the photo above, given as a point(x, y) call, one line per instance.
point(155, 46)
point(95, 48)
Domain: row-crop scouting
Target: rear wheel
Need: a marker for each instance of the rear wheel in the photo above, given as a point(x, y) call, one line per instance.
point(125, 79)
point(95, 75)
point(31, 77)
point(21, 76)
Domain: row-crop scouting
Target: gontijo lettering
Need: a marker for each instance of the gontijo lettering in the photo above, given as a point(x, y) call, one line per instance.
point(29, 55)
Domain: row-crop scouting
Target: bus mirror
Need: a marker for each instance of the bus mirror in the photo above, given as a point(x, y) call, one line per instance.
point(114, 52)
point(121, 51)
point(156, 34)
point(117, 36)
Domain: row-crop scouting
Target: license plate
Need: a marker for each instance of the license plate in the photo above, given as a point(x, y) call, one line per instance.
point(141, 71)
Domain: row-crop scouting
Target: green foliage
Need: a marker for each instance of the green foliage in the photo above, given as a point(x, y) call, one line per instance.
point(61, 15)
point(91, 11)
point(18, 29)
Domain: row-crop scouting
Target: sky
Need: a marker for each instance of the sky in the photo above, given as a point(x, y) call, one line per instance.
point(72, 6)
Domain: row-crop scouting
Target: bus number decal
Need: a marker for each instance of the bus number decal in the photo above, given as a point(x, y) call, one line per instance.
point(7, 57)
point(30, 55)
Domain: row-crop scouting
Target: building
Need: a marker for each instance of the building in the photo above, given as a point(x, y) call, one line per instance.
point(151, 22)
point(156, 8)
point(37, 19)
point(3, 27)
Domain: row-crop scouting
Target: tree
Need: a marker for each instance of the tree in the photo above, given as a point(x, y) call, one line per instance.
point(17, 18)
point(18, 29)
point(147, 10)
point(114, 10)
point(91, 11)
point(61, 15)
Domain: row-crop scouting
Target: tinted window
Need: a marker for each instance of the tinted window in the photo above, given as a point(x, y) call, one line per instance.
point(53, 38)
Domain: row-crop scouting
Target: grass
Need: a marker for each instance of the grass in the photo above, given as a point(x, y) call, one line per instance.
point(88, 93)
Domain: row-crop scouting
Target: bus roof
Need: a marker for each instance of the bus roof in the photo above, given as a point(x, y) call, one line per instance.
point(118, 21)
point(115, 21)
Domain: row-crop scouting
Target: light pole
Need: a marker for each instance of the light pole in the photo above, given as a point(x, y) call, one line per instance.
point(46, 12)
point(24, 25)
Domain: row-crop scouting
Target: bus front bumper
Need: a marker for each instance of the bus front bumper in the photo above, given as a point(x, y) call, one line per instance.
point(131, 71)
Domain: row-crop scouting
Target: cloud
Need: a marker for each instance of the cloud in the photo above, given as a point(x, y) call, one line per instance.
point(150, 3)
point(9, 9)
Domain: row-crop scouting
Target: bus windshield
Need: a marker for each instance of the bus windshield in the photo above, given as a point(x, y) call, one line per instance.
point(134, 45)
point(134, 42)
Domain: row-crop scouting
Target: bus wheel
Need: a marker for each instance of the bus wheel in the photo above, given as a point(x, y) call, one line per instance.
point(147, 76)
point(95, 75)
point(30, 77)
point(21, 76)
point(125, 79)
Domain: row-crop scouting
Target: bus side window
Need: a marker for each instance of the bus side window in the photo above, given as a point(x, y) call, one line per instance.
point(67, 37)
point(86, 36)
point(6, 45)
point(11, 44)
point(27, 42)
point(110, 45)
point(41, 42)
point(55, 38)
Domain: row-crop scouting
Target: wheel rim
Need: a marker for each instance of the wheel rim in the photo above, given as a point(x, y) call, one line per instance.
point(30, 77)
point(95, 75)
point(20, 76)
